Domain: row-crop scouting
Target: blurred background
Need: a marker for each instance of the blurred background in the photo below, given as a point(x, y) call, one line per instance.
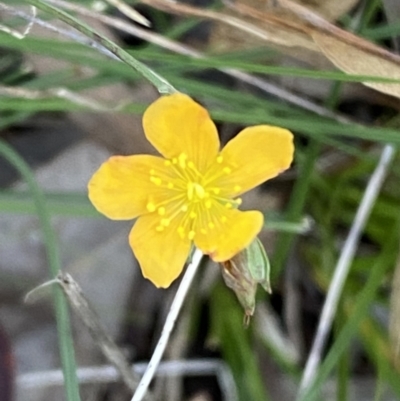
point(67, 104)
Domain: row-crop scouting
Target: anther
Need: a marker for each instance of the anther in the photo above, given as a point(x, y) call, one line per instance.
point(211, 225)
point(227, 170)
point(216, 191)
point(224, 219)
point(167, 163)
point(151, 207)
point(193, 215)
point(170, 185)
point(228, 205)
point(191, 235)
point(161, 210)
point(220, 159)
point(184, 208)
point(208, 204)
point(181, 232)
point(159, 229)
point(203, 231)
point(237, 188)
point(182, 160)
point(238, 201)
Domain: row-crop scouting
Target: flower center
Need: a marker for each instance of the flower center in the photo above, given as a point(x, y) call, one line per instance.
point(195, 192)
point(191, 197)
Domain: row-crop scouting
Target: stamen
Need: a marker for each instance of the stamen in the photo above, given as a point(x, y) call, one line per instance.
point(170, 185)
point(203, 231)
point(211, 225)
point(224, 219)
point(193, 215)
point(238, 201)
point(208, 204)
point(220, 159)
point(216, 191)
point(182, 160)
point(159, 229)
point(191, 234)
point(167, 163)
point(237, 188)
point(228, 205)
point(227, 170)
point(184, 208)
point(151, 207)
point(161, 211)
point(181, 232)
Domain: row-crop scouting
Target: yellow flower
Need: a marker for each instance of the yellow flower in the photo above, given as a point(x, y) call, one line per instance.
point(190, 195)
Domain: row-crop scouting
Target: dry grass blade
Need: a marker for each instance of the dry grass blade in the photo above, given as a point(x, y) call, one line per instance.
point(14, 32)
point(330, 9)
point(110, 350)
point(295, 25)
point(237, 23)
point(355, 60)
point(129, 12)
point(350, 53)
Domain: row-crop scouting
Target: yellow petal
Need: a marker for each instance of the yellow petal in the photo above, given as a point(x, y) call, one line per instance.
point(122, 188)
point(255, 155)
point(176, 124)
point(161, 255)
point(226, 232)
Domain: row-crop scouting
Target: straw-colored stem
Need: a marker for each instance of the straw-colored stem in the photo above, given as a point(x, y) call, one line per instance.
point(168, 326)
point(343, 266)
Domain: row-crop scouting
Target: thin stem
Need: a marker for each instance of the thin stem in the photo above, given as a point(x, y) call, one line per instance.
point(90, 319)
point(159, 82)
point(53, 258)
point(343, 266)
point(168, 326)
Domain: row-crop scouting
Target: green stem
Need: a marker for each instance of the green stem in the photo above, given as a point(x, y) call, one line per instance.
point(60, 304)
point(159, 82)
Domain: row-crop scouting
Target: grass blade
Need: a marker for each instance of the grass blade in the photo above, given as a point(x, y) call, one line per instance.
point(60, 303)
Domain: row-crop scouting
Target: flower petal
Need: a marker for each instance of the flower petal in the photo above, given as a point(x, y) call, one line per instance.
point(161, 255)
point(122, 188)
point(227, 232)
point(176, 124)
point(255, 155)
